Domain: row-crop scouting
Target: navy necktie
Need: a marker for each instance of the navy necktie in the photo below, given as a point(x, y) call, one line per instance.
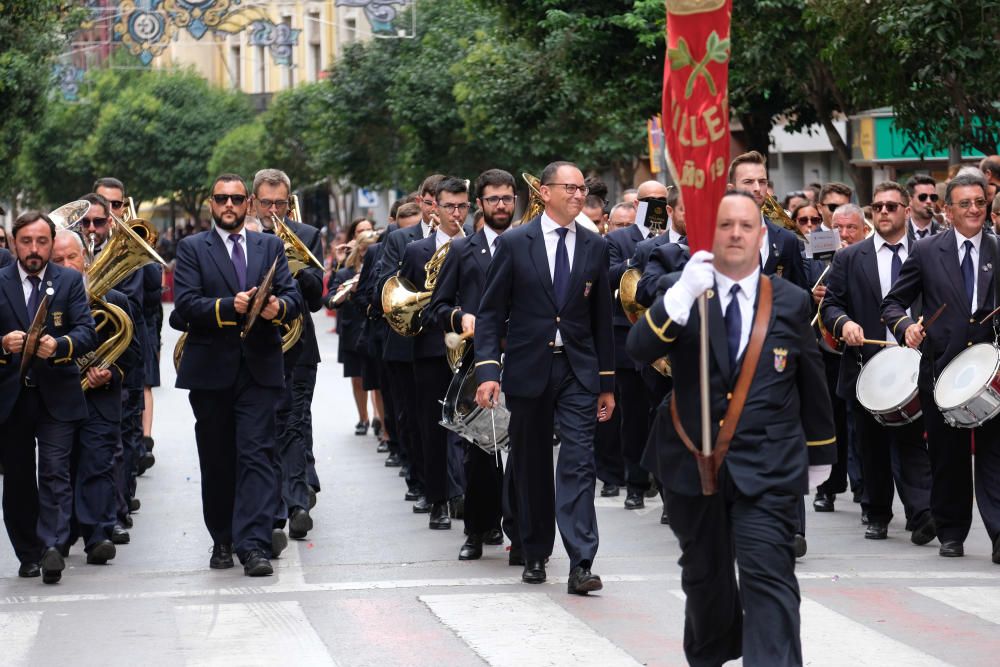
point(734, 324)
point(560, 276)
point(968, 273)
point(921, 233)
point(34, 298)
point(897, 263)
point(239, 261)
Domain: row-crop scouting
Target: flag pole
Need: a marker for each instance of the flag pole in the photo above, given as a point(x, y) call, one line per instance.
point(706, 418)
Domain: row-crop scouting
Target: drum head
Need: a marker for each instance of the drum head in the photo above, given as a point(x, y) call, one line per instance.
point(889, 379)
point(966, 375)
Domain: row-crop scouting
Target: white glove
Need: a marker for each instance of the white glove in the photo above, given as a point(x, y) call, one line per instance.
point(698, 277)
point(818, 475)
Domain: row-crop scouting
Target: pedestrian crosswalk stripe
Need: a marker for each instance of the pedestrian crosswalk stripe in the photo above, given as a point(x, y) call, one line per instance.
point(517, 629)
point(983, 601)
point(832, 639)
point(257, 633)
point(18, 629)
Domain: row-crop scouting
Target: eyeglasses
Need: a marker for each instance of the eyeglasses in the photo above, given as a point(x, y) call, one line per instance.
point(116, 203)
point(236, 199)
point(493, 201)
point(93, 222)
point(812, 220)
point(276, 203)
point(571, 188)
point(451, 208)
point(427, 202)
point(832, 207)
point(967, 203)
point(924, 196)
point(888, 206)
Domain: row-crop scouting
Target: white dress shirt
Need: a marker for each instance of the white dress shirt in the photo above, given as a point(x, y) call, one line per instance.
point(440, 238)
point(549, 227)
point(224, 235)
point(765, 245)
point(425, 229)
point(883, 258)
point(745, 300)
point(491, 239)
point(26, 285)
point(976, 240)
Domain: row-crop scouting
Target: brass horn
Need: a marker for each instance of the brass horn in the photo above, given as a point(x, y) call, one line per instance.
point(776, 214)
point(106, 314)
point(535, 204)
point(402, 303)
point(626, 294)
point(124, 253)
point(296, 252)
point(67, 215)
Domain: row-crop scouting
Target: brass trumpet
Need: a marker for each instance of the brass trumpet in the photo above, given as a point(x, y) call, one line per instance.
point(627, 287)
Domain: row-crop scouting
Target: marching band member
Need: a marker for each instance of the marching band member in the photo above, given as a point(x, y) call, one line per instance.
point(549, 281)
point(955, 267)
point(44, 401)
point(235, 382)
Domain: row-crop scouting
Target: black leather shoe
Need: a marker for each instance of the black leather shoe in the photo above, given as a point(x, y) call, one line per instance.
point(924, 531)
point(52, 566)
point(119, 535)
point(996, 550)
point(877, 530)
point(383, 446)
point(864, 517)
point(222, 557)
point(412, 494)
point(823, 502)
point(255, 564)
point(377, 427)
point(148, 443)
point(493, 537)
point(800, 545)
point(421, 506)
point(857, 495)
point(312, 497)
point(634, 501)
point(515, 557)
point(29, 570)
point(951, 549)
point(534, 572)
point(101, 553)
point(664, 519)
point(299, 523)
point(134, 504)
point(361, 428)
point(392, 461)
point(472, 549)
point(279, 542)
point(456, 507)
point(439, 519)
point(610, 490)
point(127, 521)
point(146, 461)
point(404, 471)
point(583, 581)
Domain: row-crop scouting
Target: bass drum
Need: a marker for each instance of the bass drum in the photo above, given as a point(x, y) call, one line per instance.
point(968, 390)
point(459, 412)
point(887, 386)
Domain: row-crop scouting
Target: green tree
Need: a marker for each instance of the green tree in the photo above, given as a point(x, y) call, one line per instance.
point(295, 133)
point(242, 150)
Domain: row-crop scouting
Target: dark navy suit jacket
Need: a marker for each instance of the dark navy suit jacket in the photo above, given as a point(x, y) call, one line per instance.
point(429, 342)
point(519, 287)
point(310, 283)
point(935, 228)
point(769, 449)
point(350, 318)
point(5, 257)
point(205, 286)
point(621, 247)
point(785, 256)
point(460, 284)
point(390, 261)
point(69, 321)
point(107, 399)
point(663, 259)
point(932, 271)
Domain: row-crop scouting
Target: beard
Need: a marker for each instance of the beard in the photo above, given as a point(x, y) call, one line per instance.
point(229, 226)
point(498, 222)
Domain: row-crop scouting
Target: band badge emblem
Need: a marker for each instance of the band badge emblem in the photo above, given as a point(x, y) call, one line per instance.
point(987, 267)
point(780, 359)
point(57, 318)
point(586, 289)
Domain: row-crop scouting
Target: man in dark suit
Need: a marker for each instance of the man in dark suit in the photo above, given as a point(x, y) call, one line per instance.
point(45, 403)
point(779, 248)
point(453, 309)
point(549, 282)
point(861, 275)
point(923, 195)
point(957, 268)
point(235, 381)
point(271, 196)
point(779, 444)
point(5, 257)
point(93, 461)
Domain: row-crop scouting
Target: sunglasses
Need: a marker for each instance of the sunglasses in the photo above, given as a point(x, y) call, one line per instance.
point(924, 196)
point(116, 203)
point(832, 207)
point(813, 220)
point(276, 203)
point(93, 222)
point(889, 206)
point(236, 199)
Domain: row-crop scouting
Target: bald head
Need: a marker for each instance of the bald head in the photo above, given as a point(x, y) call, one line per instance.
point(652, 189)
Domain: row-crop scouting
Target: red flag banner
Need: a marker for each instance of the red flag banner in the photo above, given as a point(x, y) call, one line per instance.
point(696, 109)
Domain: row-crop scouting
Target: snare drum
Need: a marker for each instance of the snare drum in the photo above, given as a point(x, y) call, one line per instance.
point(461, 414)
point(968, 390)
point(887, 386)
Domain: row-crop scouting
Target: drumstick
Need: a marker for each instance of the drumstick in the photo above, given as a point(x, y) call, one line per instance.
point(992, 313)
point(821, 276)
point(937, 314)
point(869, 341)
point(453, 340)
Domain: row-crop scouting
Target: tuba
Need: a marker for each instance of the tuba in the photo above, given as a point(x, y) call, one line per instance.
point(67, 215)
point(535, 204)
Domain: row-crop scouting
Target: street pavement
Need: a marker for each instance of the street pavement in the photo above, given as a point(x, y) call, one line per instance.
point(373, 586)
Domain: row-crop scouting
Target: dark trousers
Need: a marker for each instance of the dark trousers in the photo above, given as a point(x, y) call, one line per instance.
point(235, 430)
point(389, 408)
point(484, 489)
point(296, 441)
point(912, 474)
point(759, 617)
point(133, 447)
point(837, 481)
point(571, 503)
point(432, 377)
point(94, 493)
point(608, 450)
point(508, 504)
point(951, 488)
point(404, 391)
point(635, 412)
point(36, 512)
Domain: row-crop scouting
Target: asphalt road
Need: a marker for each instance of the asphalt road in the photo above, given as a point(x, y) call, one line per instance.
point(373, 586)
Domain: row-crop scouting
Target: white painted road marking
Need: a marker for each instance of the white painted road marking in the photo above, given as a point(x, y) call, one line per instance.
point(517, 629)
point(983, 601)
point(18, 629)
point(258, 633)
